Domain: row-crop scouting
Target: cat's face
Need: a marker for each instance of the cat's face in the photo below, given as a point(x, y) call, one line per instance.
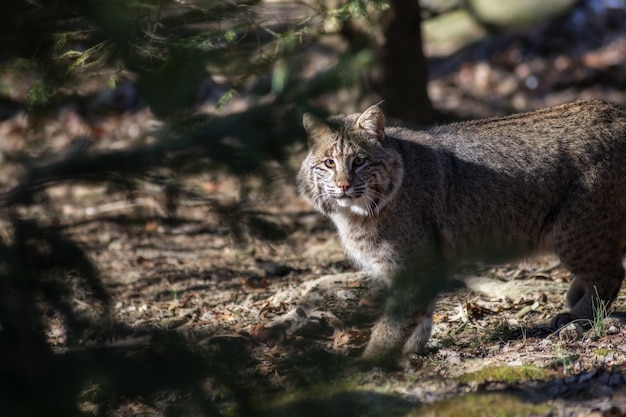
point(348, 167)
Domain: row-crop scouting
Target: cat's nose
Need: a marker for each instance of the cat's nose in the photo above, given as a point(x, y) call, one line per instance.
point(343, 184)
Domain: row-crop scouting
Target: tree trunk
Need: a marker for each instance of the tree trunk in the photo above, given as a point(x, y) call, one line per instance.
point(403, 71)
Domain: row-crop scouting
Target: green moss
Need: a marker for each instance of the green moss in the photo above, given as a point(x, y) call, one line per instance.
point(479, 405)
point(602, 352)
point(509, 374)
point(336, 403)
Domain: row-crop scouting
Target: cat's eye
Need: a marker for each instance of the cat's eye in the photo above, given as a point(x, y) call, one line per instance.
point(358, 161)
point(329, 163)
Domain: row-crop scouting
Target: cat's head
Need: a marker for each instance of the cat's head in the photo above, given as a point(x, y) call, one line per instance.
point(349, 165)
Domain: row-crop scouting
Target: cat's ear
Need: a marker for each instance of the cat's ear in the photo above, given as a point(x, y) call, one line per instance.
point(314, 127)
point(372, 121)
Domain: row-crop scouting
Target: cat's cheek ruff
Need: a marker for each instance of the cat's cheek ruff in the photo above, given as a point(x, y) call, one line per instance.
point(316, 197)
point(325, 207)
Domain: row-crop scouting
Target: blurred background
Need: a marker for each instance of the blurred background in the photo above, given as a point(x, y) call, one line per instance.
point(174, 128)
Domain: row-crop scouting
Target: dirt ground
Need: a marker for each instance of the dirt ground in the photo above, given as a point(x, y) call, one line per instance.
point(489, 339)
point(491, 351)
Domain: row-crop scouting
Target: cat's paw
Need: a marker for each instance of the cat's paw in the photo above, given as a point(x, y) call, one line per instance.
point(561, 320)
point(388, 363)
point(391, 362)
point(411, 362)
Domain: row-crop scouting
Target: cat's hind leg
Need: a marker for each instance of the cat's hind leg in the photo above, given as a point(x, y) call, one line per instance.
point(593, 254)
point(590, 296)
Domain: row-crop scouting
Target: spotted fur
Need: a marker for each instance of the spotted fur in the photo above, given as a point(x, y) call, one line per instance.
point(412, 205)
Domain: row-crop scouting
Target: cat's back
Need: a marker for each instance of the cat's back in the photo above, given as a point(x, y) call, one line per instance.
point(581, 132)
point(565, 118)
point(508, 173)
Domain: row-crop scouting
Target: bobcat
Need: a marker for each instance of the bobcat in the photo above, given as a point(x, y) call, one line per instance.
point(411, 206)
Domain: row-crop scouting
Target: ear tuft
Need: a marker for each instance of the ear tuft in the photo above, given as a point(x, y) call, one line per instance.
point(372, 121)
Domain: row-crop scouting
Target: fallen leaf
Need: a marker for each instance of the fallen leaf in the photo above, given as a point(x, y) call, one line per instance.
point(254, 284)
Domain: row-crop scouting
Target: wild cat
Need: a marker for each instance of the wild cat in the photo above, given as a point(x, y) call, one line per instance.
point(411, 205)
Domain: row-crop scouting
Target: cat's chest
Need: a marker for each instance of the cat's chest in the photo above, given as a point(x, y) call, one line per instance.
point(366, 244)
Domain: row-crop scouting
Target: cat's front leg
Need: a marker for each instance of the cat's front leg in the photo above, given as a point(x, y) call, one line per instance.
point(395, 336)
point(423, 321)
point(403, 329)
point(385, 344)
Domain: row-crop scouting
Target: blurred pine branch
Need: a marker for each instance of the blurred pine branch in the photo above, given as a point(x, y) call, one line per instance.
point(169, 47)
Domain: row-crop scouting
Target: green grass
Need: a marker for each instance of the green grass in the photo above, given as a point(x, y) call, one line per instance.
point(600, 312)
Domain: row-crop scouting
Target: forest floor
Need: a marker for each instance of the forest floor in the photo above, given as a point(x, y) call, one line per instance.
point(491, 352)
point(491, 349)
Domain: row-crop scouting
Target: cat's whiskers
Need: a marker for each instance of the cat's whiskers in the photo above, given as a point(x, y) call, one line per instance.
point(375, 197)
point(373, 208)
